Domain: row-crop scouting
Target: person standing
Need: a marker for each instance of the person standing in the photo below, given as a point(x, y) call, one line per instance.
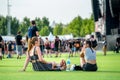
point(9, 47)
point(47, 46)
point(3, 50)
point(42, 46)
point(52, 46)
point(18, 40)
point(1, 43)
point(117, 44)
point(70, 48)
point(57, 45)
point(104, 45)
point(32, 31)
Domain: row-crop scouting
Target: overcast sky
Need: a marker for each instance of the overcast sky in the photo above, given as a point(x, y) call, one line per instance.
point(56, 10)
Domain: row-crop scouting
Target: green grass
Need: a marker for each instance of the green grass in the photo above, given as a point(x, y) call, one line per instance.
point(108, 69)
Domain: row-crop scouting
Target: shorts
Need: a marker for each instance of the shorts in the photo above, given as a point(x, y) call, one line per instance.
point(48, 48)
point(89, 67)
point(19, 49)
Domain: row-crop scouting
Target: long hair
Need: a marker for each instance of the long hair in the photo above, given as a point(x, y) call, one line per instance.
point(32, 43)
point(26, 38)
point(90, 44)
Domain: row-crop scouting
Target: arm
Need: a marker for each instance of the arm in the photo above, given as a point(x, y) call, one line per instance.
point(26, 63)
point(40, 55)
point(82, 53)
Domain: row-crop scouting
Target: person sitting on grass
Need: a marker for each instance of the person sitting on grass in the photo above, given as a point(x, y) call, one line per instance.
point(88, 57)
point(35, 57)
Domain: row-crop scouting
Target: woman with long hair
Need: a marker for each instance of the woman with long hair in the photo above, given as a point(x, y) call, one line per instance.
point(88, 57)
point(35, 57)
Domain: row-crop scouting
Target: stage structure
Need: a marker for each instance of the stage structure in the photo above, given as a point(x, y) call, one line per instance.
point(107, 19)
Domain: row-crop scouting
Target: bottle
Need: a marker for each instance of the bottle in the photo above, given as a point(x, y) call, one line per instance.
point(68, 64)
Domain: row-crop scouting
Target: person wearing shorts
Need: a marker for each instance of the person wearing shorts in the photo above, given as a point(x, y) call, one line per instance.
point(18, 39)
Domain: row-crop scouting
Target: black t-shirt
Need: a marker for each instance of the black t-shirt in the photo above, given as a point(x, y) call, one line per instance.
point(57, 42)
point(34, 29)
point(18, 39)
point(70, 44)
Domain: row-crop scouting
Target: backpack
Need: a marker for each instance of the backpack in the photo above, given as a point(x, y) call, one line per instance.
point(30, 32)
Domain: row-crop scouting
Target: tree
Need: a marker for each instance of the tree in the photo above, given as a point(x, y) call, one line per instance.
point(3, 25)
point(44, 31)
point(75, 26)
point(38, 23)
point(58, 29)
point(45, 21)
point(24, 25)
point(14, 26)
point(65, 31)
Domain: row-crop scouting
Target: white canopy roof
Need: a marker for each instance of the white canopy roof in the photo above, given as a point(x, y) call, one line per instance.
point(51, 37)
point(8, 38)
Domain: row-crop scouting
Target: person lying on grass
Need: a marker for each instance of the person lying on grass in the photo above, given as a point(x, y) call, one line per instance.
point(88, 57)
point(39, 64)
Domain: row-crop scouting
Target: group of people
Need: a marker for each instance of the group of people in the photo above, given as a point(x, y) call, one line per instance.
point(34, 55)
point(58, 46)
point(34, 52)
point(34, 47)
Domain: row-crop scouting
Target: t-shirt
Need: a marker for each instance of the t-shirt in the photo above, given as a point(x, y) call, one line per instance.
point(90, 54)
point(57, 42)
point(18, 39)
point(70, 44)
point(34, 29)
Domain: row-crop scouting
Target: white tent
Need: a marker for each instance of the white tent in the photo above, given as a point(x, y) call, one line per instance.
point(8, 38)
point(66, 37)
point(51, 37)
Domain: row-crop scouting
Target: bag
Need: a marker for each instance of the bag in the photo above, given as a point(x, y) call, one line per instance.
point(30, 32)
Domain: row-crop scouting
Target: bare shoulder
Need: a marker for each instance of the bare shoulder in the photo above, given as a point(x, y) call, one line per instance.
point(37, 48)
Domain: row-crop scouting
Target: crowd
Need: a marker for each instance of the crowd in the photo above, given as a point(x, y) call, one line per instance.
point(47, 47)
point(35, 49)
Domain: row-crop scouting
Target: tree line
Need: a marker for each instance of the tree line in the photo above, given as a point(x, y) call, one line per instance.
point(78, 27)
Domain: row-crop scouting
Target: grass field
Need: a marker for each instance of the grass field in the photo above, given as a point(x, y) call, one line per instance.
point(108, 69)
